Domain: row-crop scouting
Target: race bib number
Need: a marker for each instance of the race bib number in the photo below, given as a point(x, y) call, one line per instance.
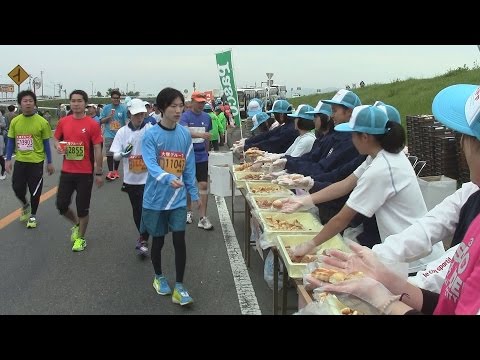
point(74, 151)
point(115, 125)
point(172, 162)
point(136, 164)
point(24, 142)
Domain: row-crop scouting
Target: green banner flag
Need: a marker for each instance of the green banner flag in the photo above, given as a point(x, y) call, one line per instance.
point(225, 72)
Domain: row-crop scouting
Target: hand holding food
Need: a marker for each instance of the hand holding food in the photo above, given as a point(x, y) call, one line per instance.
point(366, 289)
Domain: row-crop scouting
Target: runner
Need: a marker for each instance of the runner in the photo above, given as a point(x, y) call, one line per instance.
point(199, 125)
point(78, 137)
point(113, 117)
point(28, 137)
point(168, 153)
point(127, 144)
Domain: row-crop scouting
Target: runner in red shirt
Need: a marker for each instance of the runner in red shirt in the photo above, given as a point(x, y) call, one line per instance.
point(79, 139)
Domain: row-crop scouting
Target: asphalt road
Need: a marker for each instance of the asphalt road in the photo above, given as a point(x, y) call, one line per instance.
point(39, 273)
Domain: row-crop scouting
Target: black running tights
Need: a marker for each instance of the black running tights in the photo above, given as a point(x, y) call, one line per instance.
point(110, 163)
point(31, 175)
point(180, 254)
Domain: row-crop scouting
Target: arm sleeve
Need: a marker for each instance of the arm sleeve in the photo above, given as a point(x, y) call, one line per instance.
point(279, 142)
point(371, 192)
point(117, 144)
point(251, 142)
point(430, 300)
point(48, 151)
point(416, 241)
point(302, 147)
point(59, 131)
point(10, 148)
point(189, 173)
point(149, 155)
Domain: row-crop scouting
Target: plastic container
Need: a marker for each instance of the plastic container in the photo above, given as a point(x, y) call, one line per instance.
point(295, 270)
point(266, 188)
point(239, 178)
point(311, 225)
point(270, 198)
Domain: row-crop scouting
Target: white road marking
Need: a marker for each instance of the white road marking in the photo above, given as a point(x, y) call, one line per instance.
point(243, 284)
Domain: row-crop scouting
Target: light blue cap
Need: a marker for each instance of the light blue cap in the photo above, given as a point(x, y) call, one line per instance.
point(281, 107)
point(304, 112)
point(322, 108)
point(458, 107)
point(366, 119)
point(392, 113)
point(259, 119)
point(207, 107)
point(346, 98)
point(254, 106)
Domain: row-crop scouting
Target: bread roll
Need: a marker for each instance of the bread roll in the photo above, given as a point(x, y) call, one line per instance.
point(337, 277)
point(277, 204)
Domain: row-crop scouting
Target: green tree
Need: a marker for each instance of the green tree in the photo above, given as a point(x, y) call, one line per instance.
point(109, 91)
point(99, 94)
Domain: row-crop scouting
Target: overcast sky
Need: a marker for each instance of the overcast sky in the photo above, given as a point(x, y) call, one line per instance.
point(148, 69)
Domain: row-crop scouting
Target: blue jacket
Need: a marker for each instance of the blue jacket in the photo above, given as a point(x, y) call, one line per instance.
point(334, 150)
point(275, 141)
point(172, 150)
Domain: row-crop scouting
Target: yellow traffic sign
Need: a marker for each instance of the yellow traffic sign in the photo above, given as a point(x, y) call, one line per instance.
point(18, 74)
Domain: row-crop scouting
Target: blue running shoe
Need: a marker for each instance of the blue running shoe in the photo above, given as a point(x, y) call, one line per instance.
point(161, 285)
point(181, 296)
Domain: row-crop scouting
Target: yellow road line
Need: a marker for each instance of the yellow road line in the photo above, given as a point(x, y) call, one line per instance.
point(7, 220)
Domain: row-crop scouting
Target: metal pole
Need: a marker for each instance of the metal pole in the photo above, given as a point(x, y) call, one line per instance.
point(41, 77)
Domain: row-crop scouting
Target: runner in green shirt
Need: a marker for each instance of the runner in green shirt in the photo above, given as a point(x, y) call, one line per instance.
point(28, 137)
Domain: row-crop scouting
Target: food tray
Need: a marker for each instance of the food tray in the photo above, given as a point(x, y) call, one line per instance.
point(254, 187)
point(311, 225)
point(235, 168)
point(270, 198)
point(239, 178)
point(295, 270)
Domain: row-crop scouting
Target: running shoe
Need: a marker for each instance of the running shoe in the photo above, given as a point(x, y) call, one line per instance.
point(161, 285)
point(181, 296)
point(32, 222)
point(26, 211)
point(205, 223)
point(79, 244)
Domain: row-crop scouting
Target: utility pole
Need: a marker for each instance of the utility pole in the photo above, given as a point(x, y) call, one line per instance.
point(92, 87)
point(41, 77)
point(65, 93)
point(59, 90)
point(127, 89)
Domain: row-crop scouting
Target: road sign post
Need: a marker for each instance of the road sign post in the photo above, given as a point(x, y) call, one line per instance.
point(18, 75)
